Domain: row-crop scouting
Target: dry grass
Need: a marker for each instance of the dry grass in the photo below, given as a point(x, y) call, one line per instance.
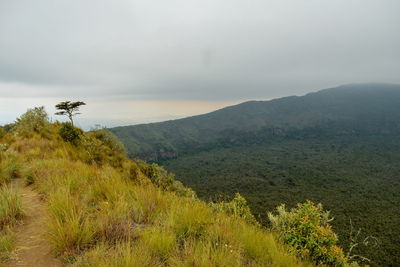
point(109, 214)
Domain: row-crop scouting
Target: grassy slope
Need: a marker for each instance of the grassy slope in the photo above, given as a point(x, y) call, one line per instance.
point(103, 211)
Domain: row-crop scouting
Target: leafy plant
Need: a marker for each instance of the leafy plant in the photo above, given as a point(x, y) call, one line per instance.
point(236, 207)
point(109, 139)
point(307, 231)
point(69, 133)
point(34, 120)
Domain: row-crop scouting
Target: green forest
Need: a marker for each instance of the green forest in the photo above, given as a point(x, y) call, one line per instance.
point(355, 178)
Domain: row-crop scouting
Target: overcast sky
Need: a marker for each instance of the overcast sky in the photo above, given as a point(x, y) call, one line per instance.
point(151, 60)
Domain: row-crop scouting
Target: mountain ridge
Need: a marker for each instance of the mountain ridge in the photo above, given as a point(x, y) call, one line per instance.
point(342, 107)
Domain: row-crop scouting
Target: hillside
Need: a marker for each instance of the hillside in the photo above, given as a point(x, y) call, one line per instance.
point(345, 110)
point(338, 146)
point(72, 198)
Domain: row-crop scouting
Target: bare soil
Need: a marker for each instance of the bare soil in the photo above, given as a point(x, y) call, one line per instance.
point(31, 247)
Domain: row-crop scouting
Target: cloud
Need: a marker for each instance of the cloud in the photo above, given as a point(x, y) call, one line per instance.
point(191, 50)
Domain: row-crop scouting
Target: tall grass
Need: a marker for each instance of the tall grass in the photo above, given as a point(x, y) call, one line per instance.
point(10, 167)
point(10, 206)
point(7, 244)
point(69, 229)
point(122, 255)
point(11, 212)
point(108, 213)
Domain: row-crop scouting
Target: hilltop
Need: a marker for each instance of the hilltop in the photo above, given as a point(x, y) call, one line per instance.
point(337, 146)
point(70, 197)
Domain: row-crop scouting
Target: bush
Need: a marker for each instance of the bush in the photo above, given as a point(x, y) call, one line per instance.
point(101, 146)
point(307, 231)
point(69, 133)
point(237, 207)
point(34, 120)
point(109, 139)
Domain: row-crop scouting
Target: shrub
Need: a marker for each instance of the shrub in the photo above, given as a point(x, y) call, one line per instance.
point(69, 133)
point(237, 207)
point(109, 139)
point(164, 180)
point(307, 231)
point(34, 120)
point(100, 149)
point(158, 175)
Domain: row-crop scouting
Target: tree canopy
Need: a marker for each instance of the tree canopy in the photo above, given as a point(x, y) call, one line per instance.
point(69, 109)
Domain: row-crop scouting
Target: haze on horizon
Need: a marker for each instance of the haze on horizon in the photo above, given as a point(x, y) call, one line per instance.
point(142, 61)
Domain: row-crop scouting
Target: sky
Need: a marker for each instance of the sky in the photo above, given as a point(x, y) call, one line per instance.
point(152, 60)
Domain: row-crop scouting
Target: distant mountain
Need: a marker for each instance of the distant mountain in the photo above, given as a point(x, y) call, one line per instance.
point(338, 146)
point(359, 109)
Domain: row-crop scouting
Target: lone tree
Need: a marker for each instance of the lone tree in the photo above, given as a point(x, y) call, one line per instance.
point(69, 109)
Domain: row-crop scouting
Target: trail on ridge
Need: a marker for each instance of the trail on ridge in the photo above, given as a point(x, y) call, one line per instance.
point(31, 248)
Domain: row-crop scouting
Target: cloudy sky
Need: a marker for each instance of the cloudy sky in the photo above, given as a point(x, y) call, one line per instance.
point(139, 61)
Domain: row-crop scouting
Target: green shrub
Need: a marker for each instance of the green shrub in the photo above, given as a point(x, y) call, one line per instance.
point(307, 231)
point(109, 139)
point(237, 207)
point(69, 133)
point(34, 120)
point(100, 148)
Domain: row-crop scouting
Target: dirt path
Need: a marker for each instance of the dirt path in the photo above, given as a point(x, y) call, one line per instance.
point(31, 248)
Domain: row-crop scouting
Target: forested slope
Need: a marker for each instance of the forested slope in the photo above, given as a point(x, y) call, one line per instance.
point(346, 110)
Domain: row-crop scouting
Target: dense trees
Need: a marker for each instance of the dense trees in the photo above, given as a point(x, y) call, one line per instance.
point(357, 178)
